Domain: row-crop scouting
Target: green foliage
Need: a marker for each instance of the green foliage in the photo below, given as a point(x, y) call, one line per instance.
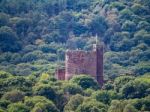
point(67, 95)
point(19, 83)
point(40, 103)
point(133, 105)
point(42, 30)
point(108, 86)
point(14, 96)
point(85, 81)
point(141, 104)
point(22, 26)
point(104, 96)
point(1, 110)
point(117, 5)
point(129, 26)
point(126, 13)
point(117, 106)
point(142, 35)
point(90, 105)
point(129, 108)
point(72, 89)
point(4, 104)
point(31, 56)
point(121, 81)
point(88, 92)
point(4, 75)
point(34, 36)
point(139, 9)
point(73, 103)
point(45, 107)
point(18, 107)
point(135, 89)
point(4, 18)
point(45, 90)
point(7, 35)
point(44, 76)
point(98, 25)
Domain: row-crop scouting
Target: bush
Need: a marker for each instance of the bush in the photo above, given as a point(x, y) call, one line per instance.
point(22, 26)
point(4, 75)
point(4, 103)
point(1, 110)
point(4, 19)
point(98, 25)
point(129, 26)
point(40, 103)
point(8, 40)
point(135, 89)
point(32, 56)
point(18, 107)
point(85, 81)
point(120, 81)
point(139, 9)
point(19, 83)
point(104, 96)
point(126, 14)
point(44, 107)
point(45, 90)
point(129, 108)
point(14, 96)
point(91, 105)
point(72, 89)
point(117, 106)
point(73, 103)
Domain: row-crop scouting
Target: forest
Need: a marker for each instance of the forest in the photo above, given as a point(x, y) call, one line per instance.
point(34, 36)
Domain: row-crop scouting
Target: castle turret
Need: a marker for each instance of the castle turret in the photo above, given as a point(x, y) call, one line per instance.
point(98, 48)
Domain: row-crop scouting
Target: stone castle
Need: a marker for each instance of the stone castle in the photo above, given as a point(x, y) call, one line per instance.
point(83, 62)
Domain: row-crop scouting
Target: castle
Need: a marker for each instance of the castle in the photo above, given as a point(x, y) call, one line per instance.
point(83, 62)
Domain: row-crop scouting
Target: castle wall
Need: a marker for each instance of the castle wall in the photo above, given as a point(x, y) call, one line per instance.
point(80, 62)
point(60, 74)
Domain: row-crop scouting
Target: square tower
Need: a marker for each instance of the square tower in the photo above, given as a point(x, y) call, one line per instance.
point(85, 62)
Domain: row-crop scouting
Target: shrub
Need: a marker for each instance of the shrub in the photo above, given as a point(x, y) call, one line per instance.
point(85, 81)
point(45, 90)
point(14, 96)
point(18, 107)
point(73, 103)
point(72, 89)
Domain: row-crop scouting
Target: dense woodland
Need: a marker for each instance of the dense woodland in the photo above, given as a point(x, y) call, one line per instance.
point(34, 35)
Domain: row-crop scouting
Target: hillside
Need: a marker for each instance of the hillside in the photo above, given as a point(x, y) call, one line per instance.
point(34, 35)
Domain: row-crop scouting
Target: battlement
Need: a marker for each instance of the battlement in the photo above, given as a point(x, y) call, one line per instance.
point(78, 56)
point(77, 51)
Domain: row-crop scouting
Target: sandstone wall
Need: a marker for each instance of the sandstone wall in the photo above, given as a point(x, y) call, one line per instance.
point(80, 62)
point(60, 74)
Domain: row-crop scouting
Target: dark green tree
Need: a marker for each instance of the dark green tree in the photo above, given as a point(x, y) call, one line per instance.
point(14, 96)
point(73, 103)
point(18, 107)
point(45, 90)
point(8, 40)
point(85, 81)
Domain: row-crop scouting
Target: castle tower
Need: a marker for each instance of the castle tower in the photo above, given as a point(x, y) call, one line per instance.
point(85, 62)
point(79, 62)
point(98, 48)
